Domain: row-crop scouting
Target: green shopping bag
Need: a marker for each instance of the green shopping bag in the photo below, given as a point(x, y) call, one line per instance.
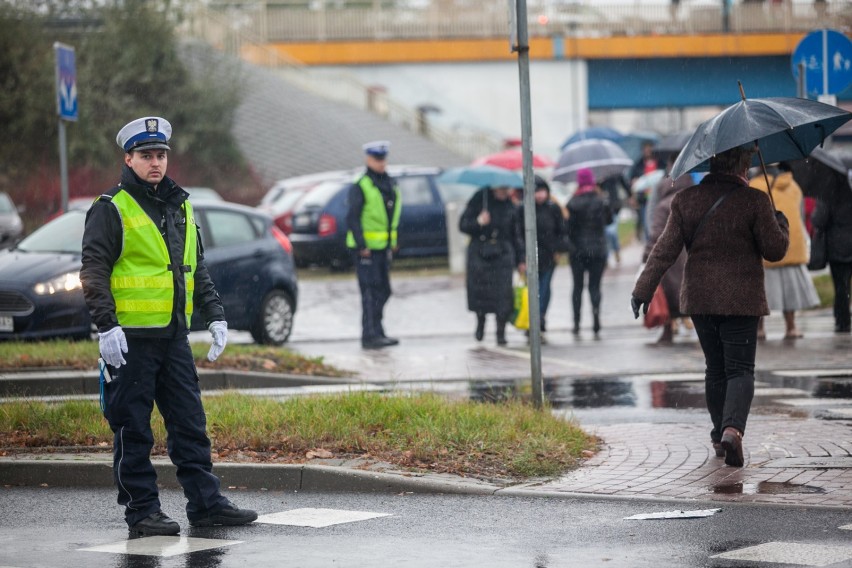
point(521, 313)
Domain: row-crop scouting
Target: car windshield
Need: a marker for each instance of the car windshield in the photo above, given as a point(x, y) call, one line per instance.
point(63, 234)
point(287, 200)
point(6, 205)
point(321, 194)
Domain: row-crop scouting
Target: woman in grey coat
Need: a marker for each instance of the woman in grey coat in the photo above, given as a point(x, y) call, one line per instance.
point(723, 286)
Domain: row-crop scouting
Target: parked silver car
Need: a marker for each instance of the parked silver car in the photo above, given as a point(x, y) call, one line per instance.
point(11, 226)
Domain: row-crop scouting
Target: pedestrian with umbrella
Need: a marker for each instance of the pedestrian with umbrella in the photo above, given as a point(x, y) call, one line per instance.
point(494, 252)
point(832, 221)
point(588, 216)
point(728, 229)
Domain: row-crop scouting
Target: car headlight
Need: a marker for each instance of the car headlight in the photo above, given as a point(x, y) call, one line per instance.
point(67, 282)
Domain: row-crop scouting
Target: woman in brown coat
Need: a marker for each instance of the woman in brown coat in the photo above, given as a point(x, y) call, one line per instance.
point(723, 287)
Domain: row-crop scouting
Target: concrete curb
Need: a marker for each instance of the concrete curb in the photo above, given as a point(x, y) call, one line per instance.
point(64, 382)
point(274, 477)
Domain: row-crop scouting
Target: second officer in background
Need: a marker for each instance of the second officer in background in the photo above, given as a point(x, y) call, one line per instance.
point(373, 218)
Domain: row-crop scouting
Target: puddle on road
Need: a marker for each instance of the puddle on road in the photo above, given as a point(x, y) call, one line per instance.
point(658, 391)
point(767, 488)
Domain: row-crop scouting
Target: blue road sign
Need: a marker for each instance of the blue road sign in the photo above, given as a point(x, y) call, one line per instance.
point(66, 82)
point(827, 56)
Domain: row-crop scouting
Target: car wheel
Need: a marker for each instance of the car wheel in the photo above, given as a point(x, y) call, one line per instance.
point(275, 320)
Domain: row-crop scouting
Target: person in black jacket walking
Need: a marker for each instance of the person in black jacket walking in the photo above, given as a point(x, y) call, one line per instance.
point(588, 216)
point(143, 275)
point(833, 215)
point(551, 237)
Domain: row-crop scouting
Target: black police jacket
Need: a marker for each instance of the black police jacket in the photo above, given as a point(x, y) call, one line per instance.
point(102, 244)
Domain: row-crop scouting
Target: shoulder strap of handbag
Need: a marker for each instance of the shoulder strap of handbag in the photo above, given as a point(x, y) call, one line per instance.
point(703, 219)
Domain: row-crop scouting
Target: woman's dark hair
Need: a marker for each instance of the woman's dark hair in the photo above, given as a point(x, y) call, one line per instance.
point(733, 161)
point(540, 183)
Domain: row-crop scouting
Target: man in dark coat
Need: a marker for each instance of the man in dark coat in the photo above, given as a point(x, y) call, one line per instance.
point(833, 215)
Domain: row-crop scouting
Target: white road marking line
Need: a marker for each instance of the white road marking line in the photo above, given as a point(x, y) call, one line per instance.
point(790, 553)
point(161, 545)
point(317, 518)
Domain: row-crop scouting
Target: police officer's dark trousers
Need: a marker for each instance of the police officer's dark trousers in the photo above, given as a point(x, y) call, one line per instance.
point(374, 282)
point(159, 370)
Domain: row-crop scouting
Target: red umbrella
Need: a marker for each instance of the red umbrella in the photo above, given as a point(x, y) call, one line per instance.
point(512, 159)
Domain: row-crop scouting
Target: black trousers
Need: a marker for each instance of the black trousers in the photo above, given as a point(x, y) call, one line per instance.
point(841, 273)
point(580, 265)
point(161, 371)
point(730, 346)
point(374, 282)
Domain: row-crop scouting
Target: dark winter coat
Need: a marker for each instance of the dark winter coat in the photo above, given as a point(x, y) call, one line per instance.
point(673, 278)
point(489, 280)
point(102, 245)
point(588, 216)
point(724, 265)
point(834, 216)
point(550, 230)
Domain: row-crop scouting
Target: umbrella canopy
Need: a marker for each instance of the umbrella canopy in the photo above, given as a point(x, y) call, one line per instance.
point(594, 133)
point(673, 143)
point(632, 143)
point(785, 129)
point(823, 172)
point(512, 159)
point(646, 182)
point(603, 157)
point(482, 176)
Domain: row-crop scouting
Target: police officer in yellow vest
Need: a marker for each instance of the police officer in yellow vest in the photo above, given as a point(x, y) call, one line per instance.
point(373, 218)
point(143, 275)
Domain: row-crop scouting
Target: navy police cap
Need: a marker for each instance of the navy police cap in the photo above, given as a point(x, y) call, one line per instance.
point(147, 133)
point(377, 149)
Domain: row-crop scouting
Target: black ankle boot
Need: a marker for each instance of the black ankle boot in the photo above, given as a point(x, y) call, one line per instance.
point(480, 327)
point(596, 325)
point(501, 331)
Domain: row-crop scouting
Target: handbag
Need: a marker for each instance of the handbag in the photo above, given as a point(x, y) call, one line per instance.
point(658, 310)
point(490, 249)
point(819, 251)
point(520, 317)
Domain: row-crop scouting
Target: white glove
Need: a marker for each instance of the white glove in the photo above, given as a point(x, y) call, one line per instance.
point(112, 344)
point(219, 331)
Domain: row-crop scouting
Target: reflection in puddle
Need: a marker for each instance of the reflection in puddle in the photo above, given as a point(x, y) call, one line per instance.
point(766, 488)
point(654, 392)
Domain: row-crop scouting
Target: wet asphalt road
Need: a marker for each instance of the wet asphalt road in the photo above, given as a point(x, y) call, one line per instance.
point(45, 527)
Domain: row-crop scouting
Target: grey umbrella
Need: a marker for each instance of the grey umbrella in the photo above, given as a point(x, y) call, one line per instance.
point(604, 157)
point(782, 128)
point(823, 172)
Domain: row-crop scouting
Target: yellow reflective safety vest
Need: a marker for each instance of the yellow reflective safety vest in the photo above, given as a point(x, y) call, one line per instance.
point(374, 217)
point(142, 281)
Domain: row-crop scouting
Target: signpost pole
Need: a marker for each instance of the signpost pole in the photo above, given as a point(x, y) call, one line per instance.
point(66, 108)
point(530, 234)
point(825, 61)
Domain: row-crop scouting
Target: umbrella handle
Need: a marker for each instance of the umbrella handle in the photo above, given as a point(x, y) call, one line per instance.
point(765, 175)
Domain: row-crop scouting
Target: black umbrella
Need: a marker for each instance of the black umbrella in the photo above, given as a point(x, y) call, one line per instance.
point(781, 128)
point(823, 172)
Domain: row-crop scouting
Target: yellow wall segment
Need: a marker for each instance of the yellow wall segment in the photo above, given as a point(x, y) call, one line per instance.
point(422, 51)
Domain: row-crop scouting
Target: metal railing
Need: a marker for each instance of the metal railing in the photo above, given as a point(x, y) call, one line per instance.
point(221, 32)
point(333, 20)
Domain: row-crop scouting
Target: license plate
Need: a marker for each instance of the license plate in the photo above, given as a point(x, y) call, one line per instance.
point(6, 323)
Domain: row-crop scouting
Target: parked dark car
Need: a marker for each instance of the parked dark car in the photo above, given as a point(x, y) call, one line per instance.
point(249, 259)
point(319, 221)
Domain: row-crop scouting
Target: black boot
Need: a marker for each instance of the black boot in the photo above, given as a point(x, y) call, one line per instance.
point(155, 524)
point(480, 326)
point(576, 330)
point(596, 325)
point(501, 331)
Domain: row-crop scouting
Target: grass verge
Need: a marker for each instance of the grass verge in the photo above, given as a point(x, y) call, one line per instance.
point(423, 432)
point(83, 355)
